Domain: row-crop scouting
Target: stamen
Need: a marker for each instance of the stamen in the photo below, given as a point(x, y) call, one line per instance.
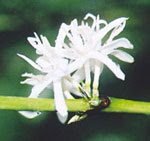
point(84, 93)
point(87, 77)
point(97, 72)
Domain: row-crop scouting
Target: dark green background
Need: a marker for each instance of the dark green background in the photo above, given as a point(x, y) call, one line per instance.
point(19, 19)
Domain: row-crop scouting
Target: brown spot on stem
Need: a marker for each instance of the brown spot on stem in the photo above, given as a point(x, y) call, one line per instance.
point(105, 101)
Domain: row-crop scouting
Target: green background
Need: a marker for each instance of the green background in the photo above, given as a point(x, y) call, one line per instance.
point(19, 19)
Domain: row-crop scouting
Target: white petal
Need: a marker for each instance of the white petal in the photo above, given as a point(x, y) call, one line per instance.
point(122, 42)
point(68, 95)
point(45, 41)
point(39, 87)
point(75, 92)
point(70, 85)
point(30, 62)
point(123, 56)
point(117, 31)
point(60, 104)
point(33, 80)
point(87, 72)
point(98, 68)
point(89, 15)
point(77, 64)
point(36, 43)
point(43, 62)
point(96, 21)
point(70, 53)
point(109, 63)
point(36, 90)
point(75, 36)
point(41, 45)
point(102, 22)
point(29, 81)
point(27, 75)
point(29, 114)
point(110, 26)
point(61, 35)
point(79, 75)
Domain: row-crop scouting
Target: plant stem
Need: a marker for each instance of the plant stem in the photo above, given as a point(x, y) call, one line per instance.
point(74, 105)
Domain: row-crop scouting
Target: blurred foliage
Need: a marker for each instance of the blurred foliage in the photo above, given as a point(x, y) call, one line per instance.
point(19, 19)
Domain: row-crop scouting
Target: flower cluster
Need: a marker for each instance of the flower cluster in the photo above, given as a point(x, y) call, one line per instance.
point(79, 50)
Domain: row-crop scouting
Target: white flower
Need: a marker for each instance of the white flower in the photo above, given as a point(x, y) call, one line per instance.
point(87, 49)
point(55, 74)
point(79, 50)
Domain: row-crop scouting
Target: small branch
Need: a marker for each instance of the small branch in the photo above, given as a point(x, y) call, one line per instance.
point(39, 104)
point(74, 105)
point(128, 106)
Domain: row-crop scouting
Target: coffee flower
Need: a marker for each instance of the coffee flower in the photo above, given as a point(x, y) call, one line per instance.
point(89, 49)
point(79, 50)
point(54, 68)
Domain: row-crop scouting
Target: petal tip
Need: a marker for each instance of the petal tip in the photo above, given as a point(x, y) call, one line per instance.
point(29, 114)
point(62, 118)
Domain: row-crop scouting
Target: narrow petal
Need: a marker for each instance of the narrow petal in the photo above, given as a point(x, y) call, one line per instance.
point(60, 104)
point(45, 41)
point(110, 26)
point(41, 45)
point(102, 22)
point(89, 15)
point(30, 62)
point(61, 35)
point(96, 20)
point(34, 79)
point(29, 81)
point(122, 42)
point(109, 63)
point(123, 56)
point(75, 38)
point(117, 30)
point(39, 87)
point(36, 43)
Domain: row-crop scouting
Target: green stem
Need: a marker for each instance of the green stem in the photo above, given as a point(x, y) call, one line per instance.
point(74, 105)
point(128, 106)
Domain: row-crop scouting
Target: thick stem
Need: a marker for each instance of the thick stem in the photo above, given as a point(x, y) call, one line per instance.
point(74, 105)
